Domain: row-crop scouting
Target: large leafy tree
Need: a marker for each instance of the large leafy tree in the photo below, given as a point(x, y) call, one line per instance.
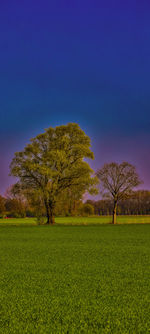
point(53, 162)
point(118, 181)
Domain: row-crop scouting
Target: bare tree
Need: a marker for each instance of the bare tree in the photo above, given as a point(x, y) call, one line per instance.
point(118, 181)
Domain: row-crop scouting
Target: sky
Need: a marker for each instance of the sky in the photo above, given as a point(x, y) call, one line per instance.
point(76, 61)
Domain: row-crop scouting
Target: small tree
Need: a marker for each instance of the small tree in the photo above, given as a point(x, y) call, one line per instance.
point(118, 180)
point(2, 206)
point(87, 209)
point(15, 208)
point(54, 162)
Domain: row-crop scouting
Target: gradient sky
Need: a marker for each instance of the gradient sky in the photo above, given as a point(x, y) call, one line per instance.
point(76, 61)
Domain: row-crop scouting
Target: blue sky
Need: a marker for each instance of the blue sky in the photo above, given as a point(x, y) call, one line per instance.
point(76, 61)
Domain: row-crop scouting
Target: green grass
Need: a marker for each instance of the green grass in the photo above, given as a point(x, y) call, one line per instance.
point(95, 220)
point(75, 279)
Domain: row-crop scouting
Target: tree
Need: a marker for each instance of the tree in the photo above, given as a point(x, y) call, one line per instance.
point(53, 162)
point(118, 180)
point(2, 205)
point(15, 208)
point(87, 209)
point(16, 203)
point(69, 202)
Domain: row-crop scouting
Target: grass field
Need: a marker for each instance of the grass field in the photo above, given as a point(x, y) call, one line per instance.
point(75, 279)
point(96, 220)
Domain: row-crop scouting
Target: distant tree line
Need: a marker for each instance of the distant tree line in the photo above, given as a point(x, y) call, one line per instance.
point(15, 207)
point(137, 204)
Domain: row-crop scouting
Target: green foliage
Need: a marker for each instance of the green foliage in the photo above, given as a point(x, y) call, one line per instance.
point(53, 162)
point(2, 206)
point(87, 209)
point(75, 279)
point(15, 208)
point(67, 204)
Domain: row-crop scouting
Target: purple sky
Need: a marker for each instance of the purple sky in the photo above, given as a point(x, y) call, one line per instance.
point(76, 61)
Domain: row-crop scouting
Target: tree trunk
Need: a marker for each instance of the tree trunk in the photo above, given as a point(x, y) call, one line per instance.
point(50, 219)
point(50, 213)
point(114, 212)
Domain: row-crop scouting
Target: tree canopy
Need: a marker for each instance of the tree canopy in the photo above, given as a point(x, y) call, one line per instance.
point(53, 162)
